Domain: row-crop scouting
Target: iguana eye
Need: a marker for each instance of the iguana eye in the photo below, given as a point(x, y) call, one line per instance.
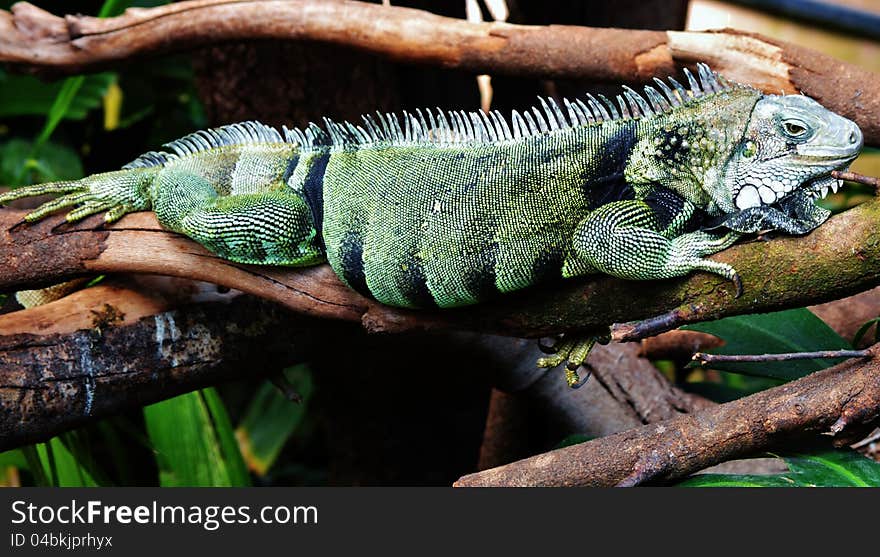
point(794, 128)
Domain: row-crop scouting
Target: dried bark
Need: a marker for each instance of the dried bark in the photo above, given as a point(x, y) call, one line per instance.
point(846, 316)
point(678, 345)
point(841, 401)
point(508, 432)
point(35, 40)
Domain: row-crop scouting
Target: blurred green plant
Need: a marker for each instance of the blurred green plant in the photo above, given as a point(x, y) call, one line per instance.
point(194, 442)
point(271, 419)
point(26, 162)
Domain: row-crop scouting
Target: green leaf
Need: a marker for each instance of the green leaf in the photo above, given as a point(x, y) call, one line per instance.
point(65, 470)
point(863, 330)
point(271, 419)
point(718, 392)
point(190, 451)
point(113, 7)
point(78, 445)
point(573, 439)
point(35, 466)
point(238, 474)
point(13, 458)
point(24, 95)
point(22, 162)
point(834, 468)
point(794, 330)
point(735, 480)
point(60, 106)
point(831, 468)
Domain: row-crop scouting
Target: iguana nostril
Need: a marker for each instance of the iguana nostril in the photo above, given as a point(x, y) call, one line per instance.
point(853, 138)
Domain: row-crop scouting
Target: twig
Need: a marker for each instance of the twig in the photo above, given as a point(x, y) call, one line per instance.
point(637, 330)
point(838, 400)
point(34, 39)
point(874, 437)
point(678, 345)
point(857, 178)
point(705, 358)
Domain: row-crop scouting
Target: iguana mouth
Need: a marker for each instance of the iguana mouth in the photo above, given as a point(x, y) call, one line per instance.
point(769, 193)
point(817, 187)
point(820, 187)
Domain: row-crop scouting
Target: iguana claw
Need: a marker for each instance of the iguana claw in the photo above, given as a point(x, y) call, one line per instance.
point(738, 284)
point(574, 351)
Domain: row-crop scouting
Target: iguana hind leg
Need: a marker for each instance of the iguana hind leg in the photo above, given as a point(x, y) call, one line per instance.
point(269, 227)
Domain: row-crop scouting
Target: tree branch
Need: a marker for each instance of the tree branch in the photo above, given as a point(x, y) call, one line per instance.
point(35, 40)
point(112, 347)
point(839, 258)
point(836, 401)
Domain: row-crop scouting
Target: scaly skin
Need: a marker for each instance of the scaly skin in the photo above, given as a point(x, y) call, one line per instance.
point(455, 208)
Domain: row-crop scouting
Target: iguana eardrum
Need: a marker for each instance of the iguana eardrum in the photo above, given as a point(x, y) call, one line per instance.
point(444, 209)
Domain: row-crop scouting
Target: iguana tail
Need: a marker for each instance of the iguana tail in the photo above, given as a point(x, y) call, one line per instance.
point(117, 193)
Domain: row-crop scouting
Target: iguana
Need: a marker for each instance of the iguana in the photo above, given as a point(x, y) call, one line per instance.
point(445, 209)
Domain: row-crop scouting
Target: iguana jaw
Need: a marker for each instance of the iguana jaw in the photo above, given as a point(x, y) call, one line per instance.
point(775, 190)
point(819, 188)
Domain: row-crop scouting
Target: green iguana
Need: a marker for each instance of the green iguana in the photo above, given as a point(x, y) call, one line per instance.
point(444, 209)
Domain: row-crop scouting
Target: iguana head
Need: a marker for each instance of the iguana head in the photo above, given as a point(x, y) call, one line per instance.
point(784, 161)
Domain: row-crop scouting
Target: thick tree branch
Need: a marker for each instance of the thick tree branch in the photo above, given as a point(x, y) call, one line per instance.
point(68, 362)
point(69, 355)
point(846, 316)
point(836, 401)
point(35, 40)
point(113, 347)
point(839, 258)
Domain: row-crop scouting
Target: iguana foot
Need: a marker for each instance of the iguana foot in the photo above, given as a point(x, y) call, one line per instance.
point(112, 193)
point(572, 351)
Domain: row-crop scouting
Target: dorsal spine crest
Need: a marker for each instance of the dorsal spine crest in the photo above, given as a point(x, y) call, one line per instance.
point(451, 127)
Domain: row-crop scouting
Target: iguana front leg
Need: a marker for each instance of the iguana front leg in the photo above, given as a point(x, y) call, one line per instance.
point(635, 239)
point(796, 214)
point(639, 240)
